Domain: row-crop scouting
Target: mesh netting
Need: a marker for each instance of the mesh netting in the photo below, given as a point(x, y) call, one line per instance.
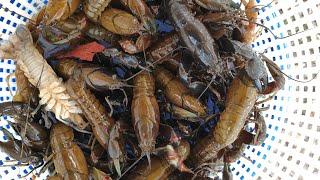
point(291, 148)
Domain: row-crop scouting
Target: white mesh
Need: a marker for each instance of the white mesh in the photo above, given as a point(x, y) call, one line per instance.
point(291, 150)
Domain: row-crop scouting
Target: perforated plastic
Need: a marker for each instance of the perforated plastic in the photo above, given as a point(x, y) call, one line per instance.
point(291, 150)
point(8, 22)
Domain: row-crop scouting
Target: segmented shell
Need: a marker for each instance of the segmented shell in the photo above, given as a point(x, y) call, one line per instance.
point(119, 22)
point(57, 10)
point(240, 100)
point(145, 112)
point(69, 160)
point(94, 8)
point(24, 88)
point(93, 110)
point(40, 74)
point(98, 32)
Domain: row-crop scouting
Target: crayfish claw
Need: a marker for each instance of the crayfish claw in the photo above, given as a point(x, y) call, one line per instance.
point(265, 81)
point(258, 85)
point(149, 159)
point(116, 164)
point(279, 80)
point(183, 168)
point(23, 33)
point(257, 71)
point(261, 84)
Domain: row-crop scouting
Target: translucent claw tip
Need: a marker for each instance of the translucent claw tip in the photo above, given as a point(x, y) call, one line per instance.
point(149, 159)
point(258, 85)
point(116, 164)
point(184, 168)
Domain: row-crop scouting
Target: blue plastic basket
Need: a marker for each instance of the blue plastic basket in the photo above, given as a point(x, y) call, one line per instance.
point(291, 150)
